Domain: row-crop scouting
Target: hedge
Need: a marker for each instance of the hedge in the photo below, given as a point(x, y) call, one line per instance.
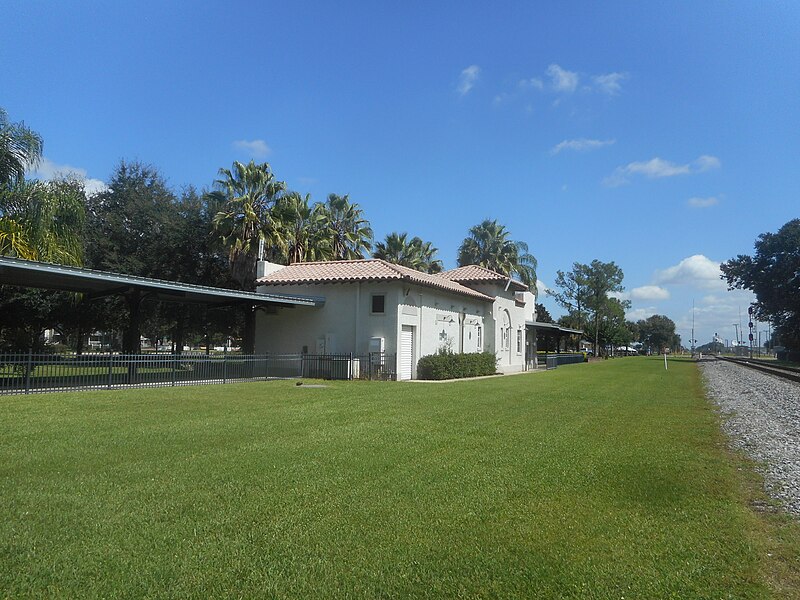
point(448, 365)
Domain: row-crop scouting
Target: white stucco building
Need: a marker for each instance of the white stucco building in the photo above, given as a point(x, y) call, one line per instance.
point(374, 306)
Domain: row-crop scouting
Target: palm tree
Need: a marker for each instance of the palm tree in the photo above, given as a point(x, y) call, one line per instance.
point(414, 253)
point(38, 220)
point(300, 232)
point(488, 245)
point(427, 255)
point(13, 240)
point(249, 193)
point(20, 148)
point(350, 233)
point(43, 221)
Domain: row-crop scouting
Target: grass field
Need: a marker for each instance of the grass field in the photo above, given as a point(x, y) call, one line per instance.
point(605, 480)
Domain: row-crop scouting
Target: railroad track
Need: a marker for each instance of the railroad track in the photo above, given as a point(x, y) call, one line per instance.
point(791, 373)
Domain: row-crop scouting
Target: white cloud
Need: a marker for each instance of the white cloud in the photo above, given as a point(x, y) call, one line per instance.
point(94, 186)
point(562, 80)
point(541, 289)
point(696, 270)
point(649, 292)
point(609, 83)
point(656, 168)
point(702, 202)
point(706, 163)
point(580, 145)
point(638, 314)
point(253, 148)
point(47, 170)
point(533, 83)
point(468, 79)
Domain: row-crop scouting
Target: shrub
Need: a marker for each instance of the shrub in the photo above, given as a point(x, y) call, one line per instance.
point(448, 365)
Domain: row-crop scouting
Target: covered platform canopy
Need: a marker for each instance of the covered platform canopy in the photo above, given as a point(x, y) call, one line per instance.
point(553, 328)
point(548, 332)
point(96, 284)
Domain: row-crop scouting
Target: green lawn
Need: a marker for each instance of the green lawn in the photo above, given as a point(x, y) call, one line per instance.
point(602, 480)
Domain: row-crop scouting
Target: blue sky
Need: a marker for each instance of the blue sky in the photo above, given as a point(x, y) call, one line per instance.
point(662, 136)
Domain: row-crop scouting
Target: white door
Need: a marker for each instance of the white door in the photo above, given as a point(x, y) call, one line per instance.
point(406, 352)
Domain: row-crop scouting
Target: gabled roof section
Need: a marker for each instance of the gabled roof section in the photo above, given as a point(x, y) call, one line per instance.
point(368, 269)
point(478, 274)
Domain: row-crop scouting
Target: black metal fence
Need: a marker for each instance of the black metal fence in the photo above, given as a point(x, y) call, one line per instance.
point(554, 360)
point(34, 373)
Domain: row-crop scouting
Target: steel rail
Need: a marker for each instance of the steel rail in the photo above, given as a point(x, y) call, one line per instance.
point(790, 373)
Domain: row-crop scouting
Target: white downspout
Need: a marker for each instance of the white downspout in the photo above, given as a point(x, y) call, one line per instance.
point(357, 318)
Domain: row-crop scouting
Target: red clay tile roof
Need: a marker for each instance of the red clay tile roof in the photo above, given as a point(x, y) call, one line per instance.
point(369, 269)
point(478, 274)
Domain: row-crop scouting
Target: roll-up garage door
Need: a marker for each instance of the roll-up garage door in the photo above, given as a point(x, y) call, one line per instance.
point(406, 352)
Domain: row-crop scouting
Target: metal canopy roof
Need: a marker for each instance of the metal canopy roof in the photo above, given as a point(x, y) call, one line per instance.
point(28, 273)
point(552, 327)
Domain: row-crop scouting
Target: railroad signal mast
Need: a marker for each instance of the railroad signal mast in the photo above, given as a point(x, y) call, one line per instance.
point(750, 312)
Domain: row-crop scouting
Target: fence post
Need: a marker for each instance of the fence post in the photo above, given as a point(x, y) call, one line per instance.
point(110, 369)
point(225, 364)
point(174, 367)
point(350, 371)
point(266, 366)
point(28, 367)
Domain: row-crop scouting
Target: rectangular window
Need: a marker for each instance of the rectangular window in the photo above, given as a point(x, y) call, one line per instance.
point(378, 304)
point(480, 338)
point(519, 341)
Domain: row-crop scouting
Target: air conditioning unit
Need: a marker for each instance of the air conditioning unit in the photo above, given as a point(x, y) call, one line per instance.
point(519, 297)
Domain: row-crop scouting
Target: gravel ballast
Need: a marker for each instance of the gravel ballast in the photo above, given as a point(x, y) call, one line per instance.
point(761, 415)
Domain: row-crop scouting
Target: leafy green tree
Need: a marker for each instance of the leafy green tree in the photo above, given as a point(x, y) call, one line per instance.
point(657, 333)
point(350, 233)
point(613, 329)
point(773, 275)
point(196, 256)
point(488, 245)
point(414, 253)
point(129, 230)
point(129, 223)
point(25, 314)
point(20, 148)
point(601, 280)
point(571, 292)
point(543, 315)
